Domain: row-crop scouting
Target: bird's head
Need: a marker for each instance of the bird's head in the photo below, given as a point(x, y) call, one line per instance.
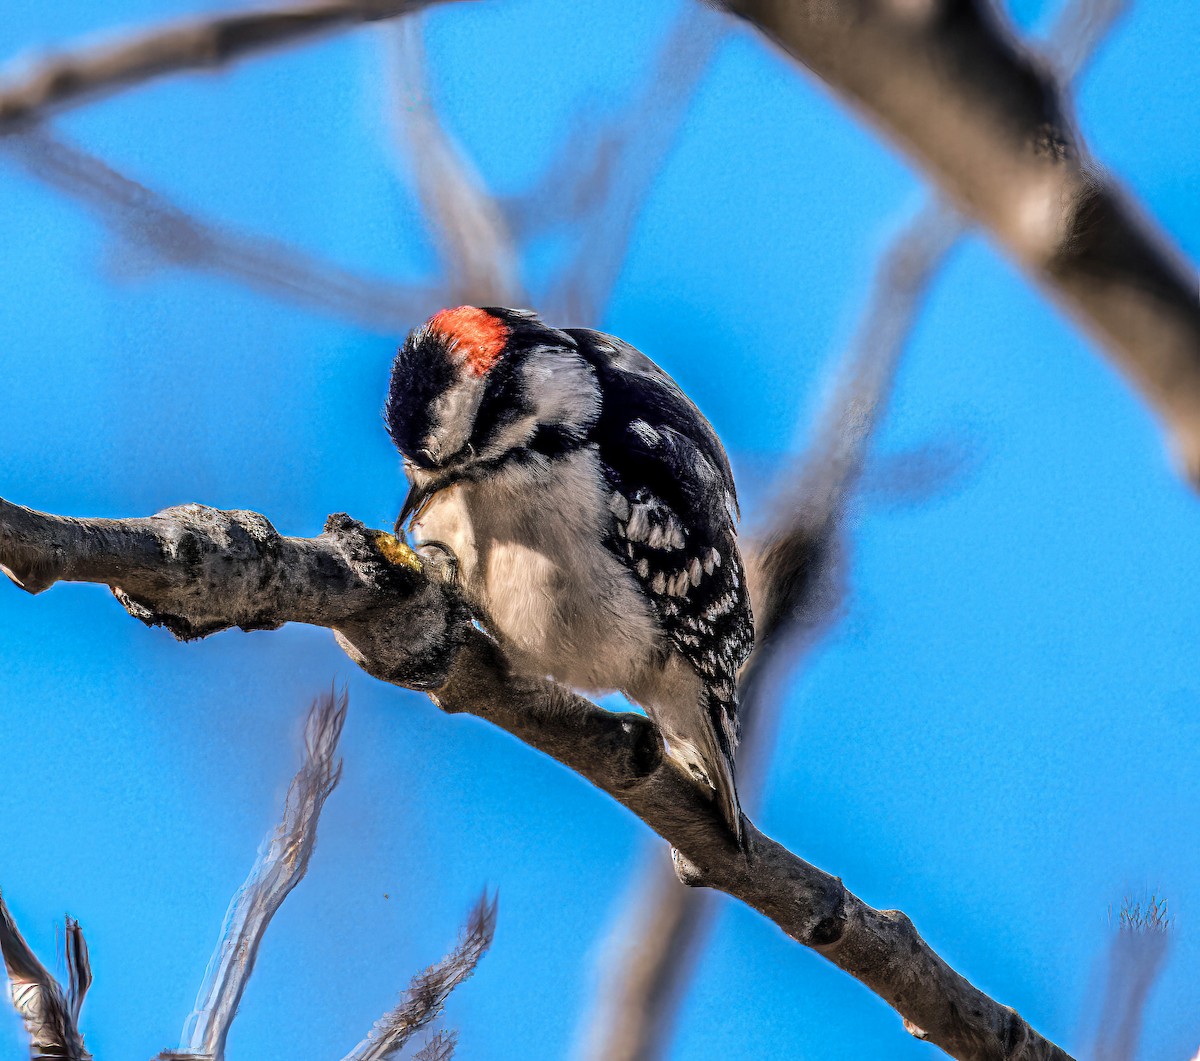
point(472, 386)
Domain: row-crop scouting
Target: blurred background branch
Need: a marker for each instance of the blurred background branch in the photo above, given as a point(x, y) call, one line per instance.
point(281, 865)
point(148, 223)
point(74, 76)
point(978, 112)
point(797, 567)
point(593, 189)
point(602, 185)
point(1135, 960)
point(984, 120)
point(479, 258)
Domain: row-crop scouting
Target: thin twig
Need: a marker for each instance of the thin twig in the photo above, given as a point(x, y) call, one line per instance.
point(282, 863)
point(50, 1017)
point(426, 995)
point(148, 221)
point(79, 968)
point(479, 258)
point(78, 75)
point(799, 564)
point(439, 1047)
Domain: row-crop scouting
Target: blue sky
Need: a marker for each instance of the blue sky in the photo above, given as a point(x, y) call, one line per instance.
point(1001, 739)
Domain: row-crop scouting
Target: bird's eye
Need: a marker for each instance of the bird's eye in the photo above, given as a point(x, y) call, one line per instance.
point(424, 458)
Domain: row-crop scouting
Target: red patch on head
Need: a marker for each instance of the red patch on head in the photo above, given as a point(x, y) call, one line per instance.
point(478, 338)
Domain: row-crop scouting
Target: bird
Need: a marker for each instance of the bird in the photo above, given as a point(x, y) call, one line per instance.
point(587, 511)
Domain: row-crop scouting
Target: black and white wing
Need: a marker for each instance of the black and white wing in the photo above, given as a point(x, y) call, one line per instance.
point(675, 507)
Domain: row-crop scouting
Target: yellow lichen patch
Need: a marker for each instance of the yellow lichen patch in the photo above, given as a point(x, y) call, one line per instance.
point(394, 551)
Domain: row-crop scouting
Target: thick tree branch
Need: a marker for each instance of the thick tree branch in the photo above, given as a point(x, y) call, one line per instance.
point(74, 77)
point(949, 84)
point(596, 183)
point(197, 570)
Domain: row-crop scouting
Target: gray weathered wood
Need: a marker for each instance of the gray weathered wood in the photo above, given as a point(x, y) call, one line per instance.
point(197, 570)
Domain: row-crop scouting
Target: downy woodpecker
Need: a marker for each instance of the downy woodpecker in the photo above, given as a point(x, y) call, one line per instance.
point(590, 513)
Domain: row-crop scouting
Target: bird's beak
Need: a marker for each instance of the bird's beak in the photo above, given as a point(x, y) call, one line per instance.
point(418, 494)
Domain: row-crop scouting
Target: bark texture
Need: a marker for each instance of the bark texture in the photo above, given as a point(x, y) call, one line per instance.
point(197, 570)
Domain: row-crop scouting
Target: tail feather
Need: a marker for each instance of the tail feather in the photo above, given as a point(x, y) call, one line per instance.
point(698, 722)
point(722, 715)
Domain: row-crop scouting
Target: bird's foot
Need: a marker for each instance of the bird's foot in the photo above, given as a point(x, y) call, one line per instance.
point(439, 561)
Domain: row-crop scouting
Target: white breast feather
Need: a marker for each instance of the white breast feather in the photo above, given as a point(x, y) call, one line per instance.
point(530, 551)
point(521, 588)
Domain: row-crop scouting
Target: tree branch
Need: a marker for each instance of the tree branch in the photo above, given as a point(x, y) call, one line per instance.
point(71, 78)
point(798, 581)
point(196, 570)
point(146, 220)
point(50, 1017)
point(479, 257)
point(426, 995)
point(281, 865)
point(950, 85)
